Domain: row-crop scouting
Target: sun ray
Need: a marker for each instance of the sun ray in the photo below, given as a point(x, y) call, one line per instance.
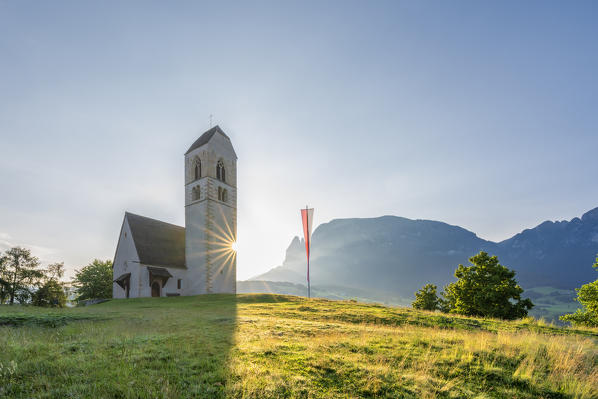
point(222, 234)
point(230, 232)
point(221, 256)
point(215, 234)
point(225, 265)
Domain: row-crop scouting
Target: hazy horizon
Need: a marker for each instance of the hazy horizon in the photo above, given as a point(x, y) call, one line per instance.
point(477, 115)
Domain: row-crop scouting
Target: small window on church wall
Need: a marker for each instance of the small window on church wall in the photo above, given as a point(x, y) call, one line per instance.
point(178, 284)
point(196, 193)
point(197, 169)
point(219, 193)
point(225, 195)
point(220, 173)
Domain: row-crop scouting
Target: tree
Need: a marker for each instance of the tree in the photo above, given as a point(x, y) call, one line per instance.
point(486, 289)
point(587, 296)
point(94, 280)
point(21, 274)
point(55, 271)
point(426, 298)
point(51, 293)
point(4, 286)
point(3, 290)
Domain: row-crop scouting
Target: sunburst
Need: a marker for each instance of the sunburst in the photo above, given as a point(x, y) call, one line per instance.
point(222, 245)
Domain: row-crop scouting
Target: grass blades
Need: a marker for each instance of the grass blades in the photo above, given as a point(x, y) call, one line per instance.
point(276, 346)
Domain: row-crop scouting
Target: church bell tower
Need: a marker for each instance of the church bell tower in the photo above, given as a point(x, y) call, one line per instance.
point(210, 215)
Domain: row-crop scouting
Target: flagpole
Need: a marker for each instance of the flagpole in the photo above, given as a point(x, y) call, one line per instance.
point(308, 255)
point(307, 233)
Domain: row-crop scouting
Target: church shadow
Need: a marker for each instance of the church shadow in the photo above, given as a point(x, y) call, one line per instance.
point(177, 347)
point(205, 347)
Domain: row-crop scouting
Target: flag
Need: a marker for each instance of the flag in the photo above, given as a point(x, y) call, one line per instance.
point(307, 216)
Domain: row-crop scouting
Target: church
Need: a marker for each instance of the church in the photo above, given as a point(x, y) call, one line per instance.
point(155, 258)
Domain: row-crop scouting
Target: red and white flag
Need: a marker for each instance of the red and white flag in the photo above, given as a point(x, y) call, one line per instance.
point(307, 217)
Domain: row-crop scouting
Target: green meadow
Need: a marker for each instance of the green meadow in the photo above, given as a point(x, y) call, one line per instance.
point(277, 346)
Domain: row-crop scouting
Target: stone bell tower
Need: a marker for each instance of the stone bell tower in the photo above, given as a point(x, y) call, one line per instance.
point(210, 215)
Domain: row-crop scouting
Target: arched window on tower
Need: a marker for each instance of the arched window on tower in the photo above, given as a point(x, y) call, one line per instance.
point(196, 169)
point(196, 193)
point(222, 194)
point(220, 173)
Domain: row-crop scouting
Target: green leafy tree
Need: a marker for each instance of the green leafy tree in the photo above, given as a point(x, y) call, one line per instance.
point(21, 275)
point(51, 293)
point(587, 296)
point(486, 289)
point(426, 298)
point(3, 290)
point(55, 271)
point(94, 280)
point(4, 286)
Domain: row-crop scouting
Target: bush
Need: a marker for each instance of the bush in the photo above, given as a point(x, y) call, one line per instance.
point(51, 294)
point(587, 295)
point(486, 289)
point(94, 280)
point(426, 298)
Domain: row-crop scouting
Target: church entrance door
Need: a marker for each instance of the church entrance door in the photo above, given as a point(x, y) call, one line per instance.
point(156, 289)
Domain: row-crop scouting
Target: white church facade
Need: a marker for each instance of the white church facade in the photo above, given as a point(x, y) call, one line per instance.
point(154, 258)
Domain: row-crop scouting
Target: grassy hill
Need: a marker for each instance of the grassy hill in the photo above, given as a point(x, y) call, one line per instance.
point(549, 303)
point(321, 291)
point(275, 346)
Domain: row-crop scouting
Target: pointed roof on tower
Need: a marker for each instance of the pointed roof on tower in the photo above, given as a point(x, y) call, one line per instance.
point(207, 136)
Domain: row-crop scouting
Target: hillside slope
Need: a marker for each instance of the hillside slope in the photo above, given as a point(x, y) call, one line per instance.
point(273, 346)
point(388, 253)
point(398, 255)
point(556, 254)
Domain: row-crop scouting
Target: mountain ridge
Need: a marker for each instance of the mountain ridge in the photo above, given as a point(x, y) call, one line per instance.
point(398, 255)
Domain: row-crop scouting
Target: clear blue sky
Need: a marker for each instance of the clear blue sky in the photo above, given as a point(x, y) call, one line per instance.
point(480, 114)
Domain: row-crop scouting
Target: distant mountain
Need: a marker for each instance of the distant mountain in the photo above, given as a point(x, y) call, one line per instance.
point(556, 254)
point(398, 255)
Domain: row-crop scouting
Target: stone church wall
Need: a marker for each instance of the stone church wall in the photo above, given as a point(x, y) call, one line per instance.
point(169, 288)
point(126, 261)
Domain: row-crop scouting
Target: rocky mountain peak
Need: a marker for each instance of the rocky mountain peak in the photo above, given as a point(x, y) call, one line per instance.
point(590, 216)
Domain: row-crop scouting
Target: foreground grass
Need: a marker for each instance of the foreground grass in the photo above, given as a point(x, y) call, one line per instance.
point(274, 346)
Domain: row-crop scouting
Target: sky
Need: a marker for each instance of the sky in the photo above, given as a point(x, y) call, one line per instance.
point(479, 114)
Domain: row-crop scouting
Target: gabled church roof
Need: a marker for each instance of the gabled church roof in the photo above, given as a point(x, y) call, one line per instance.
point(157, 243)
point(204, 138)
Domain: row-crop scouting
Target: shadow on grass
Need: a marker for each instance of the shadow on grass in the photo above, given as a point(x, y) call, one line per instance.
point(135, 348)
point(44, 320)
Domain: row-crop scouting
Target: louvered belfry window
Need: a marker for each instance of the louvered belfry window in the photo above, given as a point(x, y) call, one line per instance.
point(197, 169)
point(220, 173)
